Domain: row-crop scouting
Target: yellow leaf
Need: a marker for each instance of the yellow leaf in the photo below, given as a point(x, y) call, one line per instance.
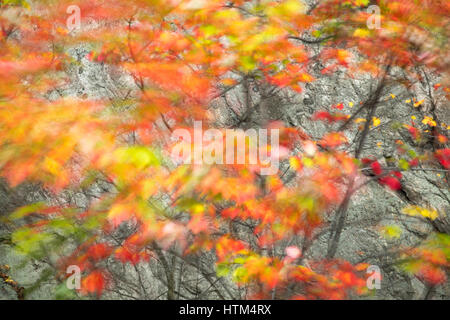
point(417, 211)
point(418, 103)
point(429, 121)
point(198, 208)
point(308, 162)
point(376, 122)
point(304, 77)
point(361, 33)
point(52, 166)
point(295, 163)
point(342, 55)
point(289, 8)
point(392, 231)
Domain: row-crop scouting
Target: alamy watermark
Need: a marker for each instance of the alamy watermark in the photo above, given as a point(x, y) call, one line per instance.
point(374, 21)
point(374, 280)
point(250, 147)
point(73, 22)
point(74, 280)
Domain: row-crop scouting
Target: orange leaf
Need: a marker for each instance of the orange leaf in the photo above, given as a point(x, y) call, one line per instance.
point(93, 283)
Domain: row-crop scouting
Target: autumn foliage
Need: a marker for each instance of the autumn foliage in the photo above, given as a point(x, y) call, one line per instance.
point(178, 57)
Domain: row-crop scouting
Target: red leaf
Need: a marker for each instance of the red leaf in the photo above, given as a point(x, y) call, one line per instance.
point(414, 132)
point(443, 156)
point(339, 106)
point(391, 182)
point(226, 246)
point(376, 167)
point(326, 116)
point(99, 251)
point(437, 86)
point(398, 174)
point(125, 255)
point(432, 275)
point(414, 162)
point(198, 224)
point(230, 213)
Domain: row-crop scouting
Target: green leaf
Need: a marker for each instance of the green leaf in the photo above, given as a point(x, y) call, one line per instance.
point(222, 270)
point(64, 293)
point(362, 3)
point(239, 274)
point(209, 30)
point(63, 225)
point(29, 242)
point(412, 153)
point(22, 3)
point(392, 231)
point(248, 63)
point(26, 210)
point(240, 260)
point(403, 164)
point(316, 33)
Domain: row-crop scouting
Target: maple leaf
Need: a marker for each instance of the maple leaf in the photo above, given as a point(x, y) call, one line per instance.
point(391, 182)
point(429, 121)
point(226, 246)
point(443, 155)
point(198, 224)
point(99, 251)
point(339, 106)
point(376, 121)
point(376, 167)
point(419, 211)
point(124, 255)
point(94, 283)
point(418, 103)
point(333, 139)
point(432, 274)
point(324, 115)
